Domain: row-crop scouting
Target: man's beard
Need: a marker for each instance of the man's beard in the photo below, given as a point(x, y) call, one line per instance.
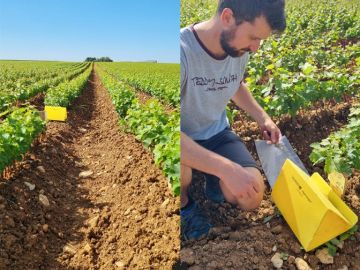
point(225, 37)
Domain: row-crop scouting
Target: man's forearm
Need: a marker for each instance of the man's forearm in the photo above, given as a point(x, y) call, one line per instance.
point(247, 102)
point(197, 157)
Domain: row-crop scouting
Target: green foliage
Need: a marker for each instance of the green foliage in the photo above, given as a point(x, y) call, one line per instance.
point(307, 63)
point(332, 249)
point(159, 131)
point(147, 121)
point(159, 80)
point(193, 11)
point(284, 256)
point(311, 61)
point(341, 150)
point(167, 151)
point(276, 214)
point(63, 94)
point(231, 114)
point(268, 218)
point(20, 80)
point(17, 132)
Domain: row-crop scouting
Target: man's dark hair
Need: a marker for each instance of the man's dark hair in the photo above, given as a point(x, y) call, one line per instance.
point(248, 10)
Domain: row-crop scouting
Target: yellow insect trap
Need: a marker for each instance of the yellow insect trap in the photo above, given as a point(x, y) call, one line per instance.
point(54, 113)
point(313, 210)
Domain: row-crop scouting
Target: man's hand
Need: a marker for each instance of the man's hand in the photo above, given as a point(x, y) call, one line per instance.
point(246, 101)
point(270, 131)
point(240, 182)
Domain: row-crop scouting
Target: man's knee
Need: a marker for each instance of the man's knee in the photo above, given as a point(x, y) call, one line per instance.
point(186, 175)
point(254, 202)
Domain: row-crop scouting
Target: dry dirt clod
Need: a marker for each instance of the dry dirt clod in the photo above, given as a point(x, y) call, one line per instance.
point(165, 203)
point(30, 186)
point(78, 164)
point(120, 265)
point(9, 221)
point(324, 256)
point(41, 169)
point(340, 245)
point(86, 174)
point(295, 247)
point(277, 229)
point(301, 264)
point(93, 222)
point(70, 249)
point(44, 200)
point(128, 211)
point(277, 261)
point(45, 228)
point(187, 255)
point(291, 259)
point(87, 249)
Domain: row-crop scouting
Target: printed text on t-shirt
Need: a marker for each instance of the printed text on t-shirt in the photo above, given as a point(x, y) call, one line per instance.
point(213, 84)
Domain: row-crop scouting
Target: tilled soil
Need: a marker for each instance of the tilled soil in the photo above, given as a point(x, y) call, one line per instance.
point(121, 215)
point(242, 240)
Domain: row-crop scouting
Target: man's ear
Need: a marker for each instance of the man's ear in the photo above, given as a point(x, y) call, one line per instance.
point(227, 18)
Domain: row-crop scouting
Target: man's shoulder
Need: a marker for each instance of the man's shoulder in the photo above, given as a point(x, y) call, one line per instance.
point(185, 34)
point(185, 29)
point(186, 42)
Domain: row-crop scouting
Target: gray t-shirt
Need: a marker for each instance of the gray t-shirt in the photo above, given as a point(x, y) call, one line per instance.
point(207, 85)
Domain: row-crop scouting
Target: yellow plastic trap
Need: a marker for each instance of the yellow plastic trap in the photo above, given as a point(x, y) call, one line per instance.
point(314, 212)
point(337, 182)
point(55, 113)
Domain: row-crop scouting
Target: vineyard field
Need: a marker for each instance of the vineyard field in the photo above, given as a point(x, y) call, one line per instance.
point(98, 190)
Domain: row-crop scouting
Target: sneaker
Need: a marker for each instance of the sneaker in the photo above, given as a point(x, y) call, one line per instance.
point(194, 223)
point(212, 189)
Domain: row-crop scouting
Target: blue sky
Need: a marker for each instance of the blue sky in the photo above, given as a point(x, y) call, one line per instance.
point(71, 30)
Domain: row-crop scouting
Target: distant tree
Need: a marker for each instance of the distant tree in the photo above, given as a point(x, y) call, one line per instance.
point(104, 59)
point(90, 59)
point(101, 59)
